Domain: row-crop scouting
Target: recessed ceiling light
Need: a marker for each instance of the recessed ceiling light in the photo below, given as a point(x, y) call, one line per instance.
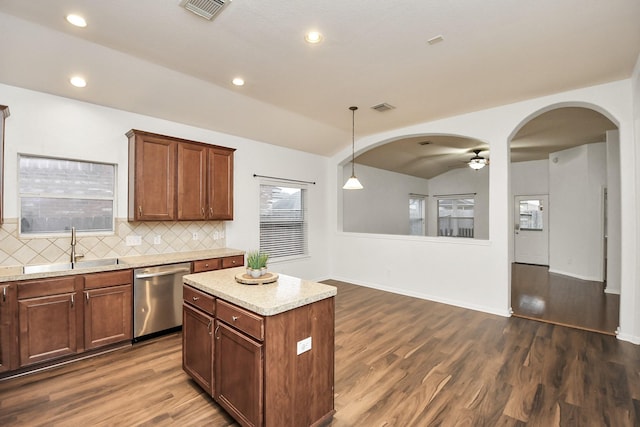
point(76, 20)
point(78, 81)
point(313, 37)
point(238, 81)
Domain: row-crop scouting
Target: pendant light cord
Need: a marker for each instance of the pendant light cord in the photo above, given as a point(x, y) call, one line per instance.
point(353, 140)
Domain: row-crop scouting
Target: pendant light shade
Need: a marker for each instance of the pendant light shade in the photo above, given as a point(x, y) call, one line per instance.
point(353, 183)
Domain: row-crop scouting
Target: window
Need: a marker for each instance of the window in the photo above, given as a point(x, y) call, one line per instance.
point(455, 217)
point(531, 215)
point(57, 194)
point(283, 220)
point(417, 211)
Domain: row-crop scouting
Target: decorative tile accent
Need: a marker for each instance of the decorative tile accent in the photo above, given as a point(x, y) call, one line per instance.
point(174, 237)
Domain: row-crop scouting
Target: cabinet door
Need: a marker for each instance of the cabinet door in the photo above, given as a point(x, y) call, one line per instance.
point(7, 334)
point(220, 184)
point(192, 182)
point(47, 328)
point(107, 316)
point(197, 347)
point(154, 178)
point(239, 375)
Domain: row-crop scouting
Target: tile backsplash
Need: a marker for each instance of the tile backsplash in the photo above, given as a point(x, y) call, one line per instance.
point(156, 238)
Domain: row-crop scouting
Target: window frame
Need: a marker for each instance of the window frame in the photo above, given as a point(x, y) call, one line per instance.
point(304, 188)
point(51, 196)
point(456, 197)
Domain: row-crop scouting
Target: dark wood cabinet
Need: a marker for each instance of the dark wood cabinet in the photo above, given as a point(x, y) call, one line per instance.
point(177, 179)
point(192, 182)
point(108, 308)
point(211, 264)
point(239, 375)
point(152, 179)
point(48, 319)
point(198, 312)
point(198, 346)
point(7, 330)
point(220, 184)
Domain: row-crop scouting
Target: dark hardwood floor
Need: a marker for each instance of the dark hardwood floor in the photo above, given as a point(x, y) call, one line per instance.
point(563, 300)
point(400, 361)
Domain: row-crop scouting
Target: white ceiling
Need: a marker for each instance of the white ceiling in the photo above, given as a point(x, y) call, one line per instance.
point(155, 58)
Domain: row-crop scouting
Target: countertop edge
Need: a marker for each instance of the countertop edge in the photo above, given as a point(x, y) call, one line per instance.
point(265, 309)
point(127, 262)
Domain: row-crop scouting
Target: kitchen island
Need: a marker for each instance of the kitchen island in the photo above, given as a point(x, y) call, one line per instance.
point(264, 352)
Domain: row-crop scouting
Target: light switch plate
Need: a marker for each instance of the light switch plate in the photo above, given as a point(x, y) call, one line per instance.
point(304, 346)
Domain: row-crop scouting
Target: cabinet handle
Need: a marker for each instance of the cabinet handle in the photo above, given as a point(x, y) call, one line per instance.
point(206, 265)
point(72, 301)
point(233, 262)
point(209, 326)
point(210, 211)
point(86, 294)
point(203, 212)
point(196, 298)
point(4, 294)
point(215, 333)
point(140, 210)
point(234, 318)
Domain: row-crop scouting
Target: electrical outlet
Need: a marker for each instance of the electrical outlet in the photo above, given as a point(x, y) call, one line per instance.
point(222, 234)
point(195, 236)
point(133, 240)
point(304, 345)
point(216, 235)
point(157, 240)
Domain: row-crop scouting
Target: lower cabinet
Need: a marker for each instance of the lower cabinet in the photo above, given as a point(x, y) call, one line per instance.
point(66, 315)
point(108, 312)
point(239, 375)
point(253, 367)
point(48, 314)
point(198, 346)
point(7, 331)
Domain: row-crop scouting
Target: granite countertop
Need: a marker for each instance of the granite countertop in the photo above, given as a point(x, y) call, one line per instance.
point(12, 273)
point(269, 299)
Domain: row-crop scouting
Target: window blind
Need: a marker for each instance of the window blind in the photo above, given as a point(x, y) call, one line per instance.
point(283, 220)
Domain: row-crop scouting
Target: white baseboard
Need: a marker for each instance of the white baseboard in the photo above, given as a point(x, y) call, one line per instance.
point(576, 276)
point(629, 338)
point(419, 295)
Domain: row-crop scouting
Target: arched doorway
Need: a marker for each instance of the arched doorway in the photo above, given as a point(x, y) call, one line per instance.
point(565, 185)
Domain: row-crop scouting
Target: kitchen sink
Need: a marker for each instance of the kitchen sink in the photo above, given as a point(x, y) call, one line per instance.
point(48, 268)
point(95, 263)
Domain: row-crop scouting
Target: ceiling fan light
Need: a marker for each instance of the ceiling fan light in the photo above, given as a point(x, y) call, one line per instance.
point(352, 184)
point(477, 163)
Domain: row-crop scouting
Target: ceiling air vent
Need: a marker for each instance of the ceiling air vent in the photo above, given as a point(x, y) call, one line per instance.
point(205, 8)
point(383, 107)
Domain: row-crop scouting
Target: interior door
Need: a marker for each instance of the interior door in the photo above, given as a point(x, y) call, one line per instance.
point(531, 240)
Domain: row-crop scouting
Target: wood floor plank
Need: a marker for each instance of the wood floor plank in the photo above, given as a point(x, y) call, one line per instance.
point(400, 361)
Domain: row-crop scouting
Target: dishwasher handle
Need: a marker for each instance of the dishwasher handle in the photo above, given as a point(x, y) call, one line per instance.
point(163, 273)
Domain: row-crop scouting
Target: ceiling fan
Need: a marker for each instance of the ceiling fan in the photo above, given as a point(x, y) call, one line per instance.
point(477, 161)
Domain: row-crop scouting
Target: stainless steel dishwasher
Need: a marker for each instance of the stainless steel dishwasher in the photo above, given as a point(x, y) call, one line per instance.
point(157, 299)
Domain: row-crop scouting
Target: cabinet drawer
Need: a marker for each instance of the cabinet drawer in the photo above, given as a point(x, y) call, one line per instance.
point(241, 319)
point(44, 287)
point(112, 278)
point(233, 261)
point(197, 298)
point(207, 265)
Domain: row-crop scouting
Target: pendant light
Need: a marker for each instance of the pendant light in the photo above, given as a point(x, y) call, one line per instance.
point(353, 183)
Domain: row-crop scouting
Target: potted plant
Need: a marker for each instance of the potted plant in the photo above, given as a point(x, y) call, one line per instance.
point(257, 263)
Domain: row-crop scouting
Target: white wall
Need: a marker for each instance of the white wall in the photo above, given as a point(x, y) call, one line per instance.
point(390, 262)
point(577, 178)
point(613, 212)
point(462, 181)
point(382, 206)
point(530, 178)
point(54, 126)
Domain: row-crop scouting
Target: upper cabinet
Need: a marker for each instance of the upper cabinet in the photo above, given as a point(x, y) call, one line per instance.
point(175, 179)
point(4, 113)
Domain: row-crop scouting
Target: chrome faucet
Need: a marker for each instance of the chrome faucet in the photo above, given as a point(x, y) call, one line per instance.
point(74, 255)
